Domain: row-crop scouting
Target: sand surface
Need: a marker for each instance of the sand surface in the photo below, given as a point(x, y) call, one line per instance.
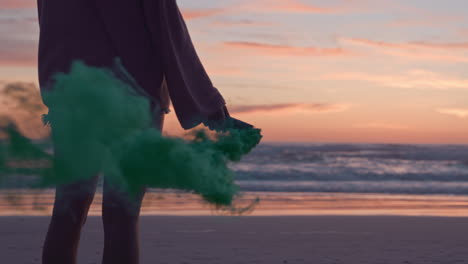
point(263, 240)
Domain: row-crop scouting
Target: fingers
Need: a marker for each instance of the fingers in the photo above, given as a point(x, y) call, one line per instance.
point(228, 123)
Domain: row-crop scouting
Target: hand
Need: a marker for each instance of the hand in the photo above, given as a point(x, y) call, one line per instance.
point(216, 120)
point(232, 122)
point(222, 120)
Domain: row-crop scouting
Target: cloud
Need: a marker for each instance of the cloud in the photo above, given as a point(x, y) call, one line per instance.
point(281, 6)
point(22, 103)
point(420, 50)
point(18, 38)
point(410, 45)
point(278, 6)
point(426, 20)
point(457, 112)
point(201, 13)
point(243, 22)
point(289, 108)
point(285, 50)
point(295, 6)
point(447, 45)
point(415, 79)
point(381, 125)
point(292, 6)
point(10, 4)
point(18, 53)
point(275, 6)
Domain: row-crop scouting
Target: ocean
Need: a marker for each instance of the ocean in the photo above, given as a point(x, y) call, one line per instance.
point(355, 168)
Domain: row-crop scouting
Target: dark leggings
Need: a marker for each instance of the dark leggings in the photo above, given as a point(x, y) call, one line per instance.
point(120, 213)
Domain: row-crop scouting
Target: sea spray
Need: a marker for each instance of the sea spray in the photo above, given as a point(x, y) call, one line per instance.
point(100, 123)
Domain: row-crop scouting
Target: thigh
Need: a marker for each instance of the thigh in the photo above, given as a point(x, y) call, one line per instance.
point(74, 199)
point(83, 187)
point(74, 192)
point(116, 196)
point(118, 200)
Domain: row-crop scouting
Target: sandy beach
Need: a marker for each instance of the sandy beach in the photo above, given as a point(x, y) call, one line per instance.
point(262, 239)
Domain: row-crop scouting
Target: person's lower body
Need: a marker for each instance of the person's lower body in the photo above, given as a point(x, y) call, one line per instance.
point(120, 214)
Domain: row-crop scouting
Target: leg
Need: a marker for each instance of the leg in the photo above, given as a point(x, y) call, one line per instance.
point(71, 207)
point(120, 214)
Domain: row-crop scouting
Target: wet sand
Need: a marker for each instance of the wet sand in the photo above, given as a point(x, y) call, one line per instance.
point(39, 203)
point(262, 239)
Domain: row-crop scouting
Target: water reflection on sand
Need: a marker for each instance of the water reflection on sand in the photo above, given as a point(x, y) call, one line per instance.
point(158, 202)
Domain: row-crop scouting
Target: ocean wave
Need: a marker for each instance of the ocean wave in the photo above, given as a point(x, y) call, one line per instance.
point(267, 153)
point(341, 169)
point(366, 168)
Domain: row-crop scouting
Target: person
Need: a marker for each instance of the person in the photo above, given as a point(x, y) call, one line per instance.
point(151, 41)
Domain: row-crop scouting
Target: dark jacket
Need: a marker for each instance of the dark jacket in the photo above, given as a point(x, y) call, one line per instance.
point(150, 38)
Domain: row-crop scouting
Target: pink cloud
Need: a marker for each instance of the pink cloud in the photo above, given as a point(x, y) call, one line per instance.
point(292, 6)
point(411, 44)
point(9, 4)
point(18, 54)
point(18, 39)
point(286, 50)
point(446, 45)
point(419, 50)
point(416, 79)
point(250, 23)
point(425, 19)
point(295, 6)
point(276, 6)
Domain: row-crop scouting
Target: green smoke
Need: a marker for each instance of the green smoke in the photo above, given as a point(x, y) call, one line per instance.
point(100, 123)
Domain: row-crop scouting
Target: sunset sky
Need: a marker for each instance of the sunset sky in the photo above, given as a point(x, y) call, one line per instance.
point(387, 71)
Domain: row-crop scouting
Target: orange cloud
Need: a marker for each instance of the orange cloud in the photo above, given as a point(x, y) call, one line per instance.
point(288, 108)
point(298, 7)
point(22, 104)
point(457, 112)
point(292, 6)
point(381, 125)
point(283, 6)
point(373, 43)
point(461, 45)
point(226, 23)
point(410, 45)
point(285, 50)
point(417, 79)
point(276, 6)
point(200, 13)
